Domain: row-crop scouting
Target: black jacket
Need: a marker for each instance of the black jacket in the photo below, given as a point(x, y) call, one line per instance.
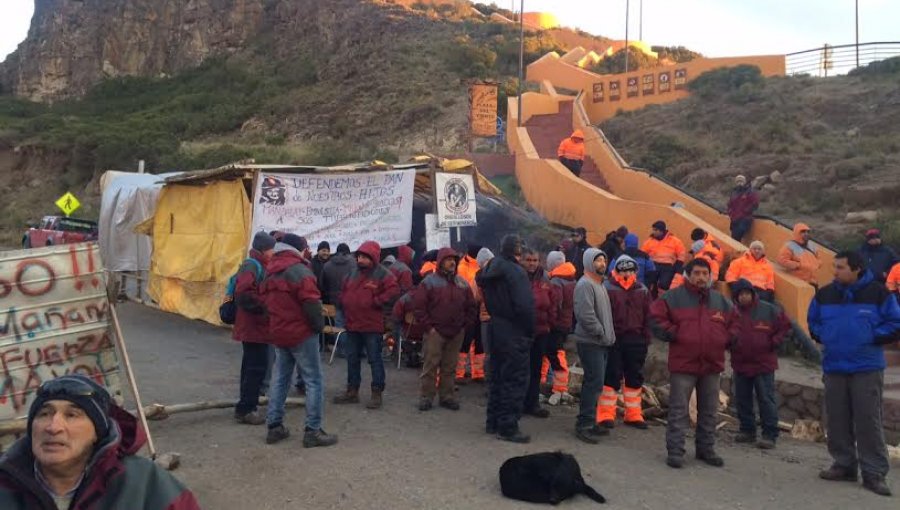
point(879, 260)
point(334, 272)
point(507, 293)
point(575, 256)
point(318, 265)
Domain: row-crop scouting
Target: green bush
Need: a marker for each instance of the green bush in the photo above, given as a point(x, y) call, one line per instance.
point(723, 80)
point(615, 64)
point(886, 67)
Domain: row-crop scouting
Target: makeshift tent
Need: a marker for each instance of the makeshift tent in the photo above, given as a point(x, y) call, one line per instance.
point(128, 199)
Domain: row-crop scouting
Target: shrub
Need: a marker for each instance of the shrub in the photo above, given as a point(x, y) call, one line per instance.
point(886, 67)
point(723, 80)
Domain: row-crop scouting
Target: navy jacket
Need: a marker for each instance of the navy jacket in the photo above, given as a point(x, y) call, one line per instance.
point(645, 265)
point(879, 260)
point(507, 293)
point(853, 323)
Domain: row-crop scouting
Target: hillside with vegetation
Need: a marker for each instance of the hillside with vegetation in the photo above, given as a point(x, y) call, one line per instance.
point(820, 148)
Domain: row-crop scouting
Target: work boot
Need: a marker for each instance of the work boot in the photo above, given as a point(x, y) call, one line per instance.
point(745, 438)
point(424, 404)
point(675, 461)
point(515, 436)
point(586, 434)
point(766, 444)
point(277, 433)
point(350, 397)
point(607, 424)
point(876, 484)
point(538, 412)
point(710, 458)
point(640, 425)
point(838, 474)
point(375, 401)
point(251, 418)
point(314, 438)
point(450, 404)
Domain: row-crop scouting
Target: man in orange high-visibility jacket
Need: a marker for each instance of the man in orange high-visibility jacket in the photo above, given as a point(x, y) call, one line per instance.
point(800, 256)
point(668, 255)
point(709, 244)
point(571, 152)
point(471, 352)
point(754, 267)
point(893, 280)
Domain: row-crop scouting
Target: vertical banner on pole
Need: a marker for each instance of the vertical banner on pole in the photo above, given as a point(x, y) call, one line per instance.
point(483, 109)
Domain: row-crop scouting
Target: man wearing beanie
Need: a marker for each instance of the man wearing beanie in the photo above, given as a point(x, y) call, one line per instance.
point(644, 264)
point(630, 302)
point(507, 296)
point(668, 255)
point(251, 327)
point(471, 351)
point(754, 267)
point(73, 424)
point(594, 335)
point(562, 277)
point(741, 206)
point(323, 253)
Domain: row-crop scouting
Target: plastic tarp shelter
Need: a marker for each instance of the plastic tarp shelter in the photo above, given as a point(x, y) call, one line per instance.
point(128, 199)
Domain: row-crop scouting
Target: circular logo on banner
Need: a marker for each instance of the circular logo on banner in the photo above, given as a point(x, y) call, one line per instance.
point(456, 196)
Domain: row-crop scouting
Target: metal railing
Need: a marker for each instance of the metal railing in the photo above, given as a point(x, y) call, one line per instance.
point(834, 60)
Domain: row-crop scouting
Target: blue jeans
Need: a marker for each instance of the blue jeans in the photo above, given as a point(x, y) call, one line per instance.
point(306, 356)
point(763, 385)
point(593, 361)
point(371, 342)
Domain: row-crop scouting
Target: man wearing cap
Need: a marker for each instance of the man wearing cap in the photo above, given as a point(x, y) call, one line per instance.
point(294, 307)
point(444, 305)
point(668, 255)
point(251, 328)
point(366, 291)
point(800, 256)
point(741, 206)
point(323, 253)
point(754, 267)
point(575, 254)
point(571, 152)
point(79, 453)
point(878, 257)
point(630, 302)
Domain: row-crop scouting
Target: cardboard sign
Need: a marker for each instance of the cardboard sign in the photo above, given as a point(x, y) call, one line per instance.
point(349, 208)
point(483, 109)
point(455, 194)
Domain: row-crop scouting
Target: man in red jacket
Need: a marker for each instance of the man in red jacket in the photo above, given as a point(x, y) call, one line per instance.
point(365, 293)
point(294, 305)
point(699, 324)
point(630, 303)
point(399, 266)
point(546, 310)
point(754, 360)
point(251, 328)
point(562, 276)
point(741, 206)
point(445, 305)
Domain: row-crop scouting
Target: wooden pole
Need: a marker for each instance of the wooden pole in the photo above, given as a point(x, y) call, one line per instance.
point(120, 339)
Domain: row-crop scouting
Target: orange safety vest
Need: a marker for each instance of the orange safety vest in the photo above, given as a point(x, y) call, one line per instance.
point(669, 250)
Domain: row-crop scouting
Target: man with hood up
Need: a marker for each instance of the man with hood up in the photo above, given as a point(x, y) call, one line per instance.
point(444, 305)
point(368, 289)
point(800, 256)
point(294, 305)
point(630, 302)
point(594, 335)
point(80, 452)
point(507, 295)
point(644, 264)
point(571, 152)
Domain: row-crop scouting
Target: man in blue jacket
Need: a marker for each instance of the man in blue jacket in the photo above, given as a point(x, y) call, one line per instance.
point(854, 317)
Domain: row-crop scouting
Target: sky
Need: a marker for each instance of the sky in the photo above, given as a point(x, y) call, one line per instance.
point(716, 28)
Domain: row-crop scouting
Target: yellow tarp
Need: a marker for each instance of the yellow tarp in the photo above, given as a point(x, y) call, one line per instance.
point(199, 239)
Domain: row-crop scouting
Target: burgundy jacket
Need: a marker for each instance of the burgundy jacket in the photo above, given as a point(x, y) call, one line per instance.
point(630, 310)
point(251, 323)
point(403, 306)
point(366, 292)
point(699, 324)
point(292, 299)
point(742, 204)
point(445, 303)
point(762, 327)
point(546, 309)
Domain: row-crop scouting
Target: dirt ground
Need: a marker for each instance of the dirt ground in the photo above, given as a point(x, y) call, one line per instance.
point(397, 457)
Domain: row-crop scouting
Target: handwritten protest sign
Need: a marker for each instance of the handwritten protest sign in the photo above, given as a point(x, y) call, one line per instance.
point(483, 113)
point(348, 208)
point(54, 320)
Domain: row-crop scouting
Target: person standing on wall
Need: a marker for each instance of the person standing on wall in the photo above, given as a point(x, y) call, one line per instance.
point(668, 255)
point(699, 324)
point(546, 310)
point(507, 295)
point(571, 152)
point(853, 318)
point(630, 302)
point(444, 305)
point(594, 335)
point(741, 207)
point(368, 289)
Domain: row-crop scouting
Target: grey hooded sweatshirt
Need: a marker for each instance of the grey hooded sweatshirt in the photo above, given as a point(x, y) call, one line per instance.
point(593, 313)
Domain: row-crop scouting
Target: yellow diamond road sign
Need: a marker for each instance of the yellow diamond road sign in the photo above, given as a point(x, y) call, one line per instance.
point(68, 203)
